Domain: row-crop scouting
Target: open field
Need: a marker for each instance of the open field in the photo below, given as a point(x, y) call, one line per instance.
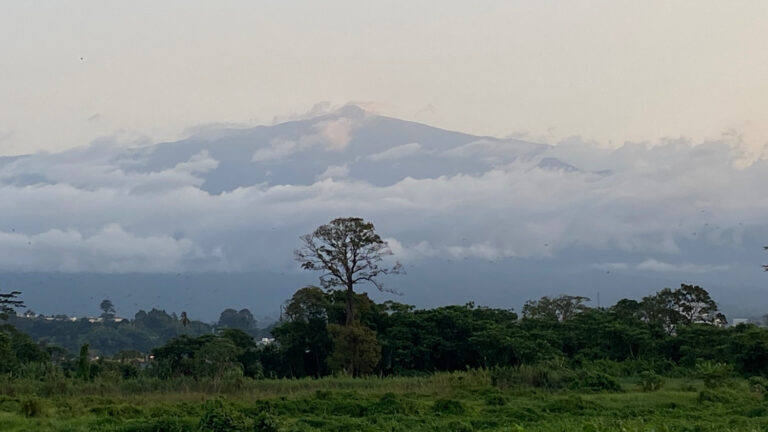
point(461, 401)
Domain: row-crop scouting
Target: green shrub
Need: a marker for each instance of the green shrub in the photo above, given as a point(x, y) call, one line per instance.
point(539, 376)
point(157, 425)
point(264, 422)
point(389, 403)
point(571, 405)
point(758, 384)
point(116, 410)
point(32, 407)
point(595, 381)
point(757, 411)
point(709, 395)
point(495, 400)
point(459, 426)
point(219, 416)
point(448, 406)
point(129, 371)
point(650, 381)
point(55, 387)
point(713, 374)
point(525, 414)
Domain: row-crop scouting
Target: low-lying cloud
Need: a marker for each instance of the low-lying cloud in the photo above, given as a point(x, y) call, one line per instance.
point(89, 210)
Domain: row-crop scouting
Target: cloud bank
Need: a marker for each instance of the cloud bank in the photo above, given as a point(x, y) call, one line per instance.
point(103, 208)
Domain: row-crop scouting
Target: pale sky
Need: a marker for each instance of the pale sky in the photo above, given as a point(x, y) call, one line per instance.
point(608, 71)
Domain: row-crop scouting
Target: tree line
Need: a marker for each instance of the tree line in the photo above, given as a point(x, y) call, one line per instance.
point(327, 330)
point(145, 331)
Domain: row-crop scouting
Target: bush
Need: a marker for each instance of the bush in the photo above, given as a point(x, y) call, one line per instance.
point(650, 381)
point(714, 374)
point(265, 423)
point(459, 426)
point(571, 405)
point(758, 384)
point(708, 395)
point(540, 376)
point(32, 407)
point(595, 381)
point(389, 404)
point(129, 371)
point(495, 400)
point(219, 416)
point(448, 406)
point(156, 425)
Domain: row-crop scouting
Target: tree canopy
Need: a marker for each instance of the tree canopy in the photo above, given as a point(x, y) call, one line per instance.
point(8, 303)
point(107, 309)
point(347, 251)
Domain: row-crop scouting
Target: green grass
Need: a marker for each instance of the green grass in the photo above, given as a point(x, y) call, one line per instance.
point(442, 402)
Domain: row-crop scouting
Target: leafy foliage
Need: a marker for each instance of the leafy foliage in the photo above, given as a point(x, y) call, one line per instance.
point(560, 308)
point(355, 349)
point(714, 374)
point(348, 252)
point(650, 381)
point(8, 304)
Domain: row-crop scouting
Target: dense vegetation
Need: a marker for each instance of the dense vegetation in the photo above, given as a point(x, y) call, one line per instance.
point(340, 361)
point(652, 364)
point(108, 337)
point(513, 399)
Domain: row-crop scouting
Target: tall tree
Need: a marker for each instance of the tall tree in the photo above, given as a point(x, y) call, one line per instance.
point(560, 308)
point(242, 320)
point(107, 309)
point(84, 363)
point(303, 337)
point(184, 319)
point(356, 349)
point(8, 303)
point(348, 252)
point(689, 304)
point(694, 305)
point(659, 310)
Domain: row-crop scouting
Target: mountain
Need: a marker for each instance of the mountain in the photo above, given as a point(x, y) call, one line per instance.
point(211, 221)
point(376, 149)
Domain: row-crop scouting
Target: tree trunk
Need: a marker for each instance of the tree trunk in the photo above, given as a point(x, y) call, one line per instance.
point(350, 311)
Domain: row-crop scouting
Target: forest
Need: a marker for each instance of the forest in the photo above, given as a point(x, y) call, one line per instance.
point(558, 365)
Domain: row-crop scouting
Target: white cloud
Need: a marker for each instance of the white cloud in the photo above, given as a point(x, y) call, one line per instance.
point(686, 267)
point(608, 266)
point(334, 172)
point(335, 133)
point(332, 132)
point(109, 249)
point(278, 150)
point(493, 148)
point(654, 265)
point(399, 152)
point(88, 210)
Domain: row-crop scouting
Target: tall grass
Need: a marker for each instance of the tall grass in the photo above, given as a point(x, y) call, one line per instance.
point(539, 398)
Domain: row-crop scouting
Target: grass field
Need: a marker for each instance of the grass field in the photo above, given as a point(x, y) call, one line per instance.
point(465, 401)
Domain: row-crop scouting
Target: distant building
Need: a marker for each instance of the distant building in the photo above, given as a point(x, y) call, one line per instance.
point(32, 315)
point(102, 319)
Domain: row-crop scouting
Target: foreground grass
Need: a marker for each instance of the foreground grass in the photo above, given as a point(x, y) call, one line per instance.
point(442, 402)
